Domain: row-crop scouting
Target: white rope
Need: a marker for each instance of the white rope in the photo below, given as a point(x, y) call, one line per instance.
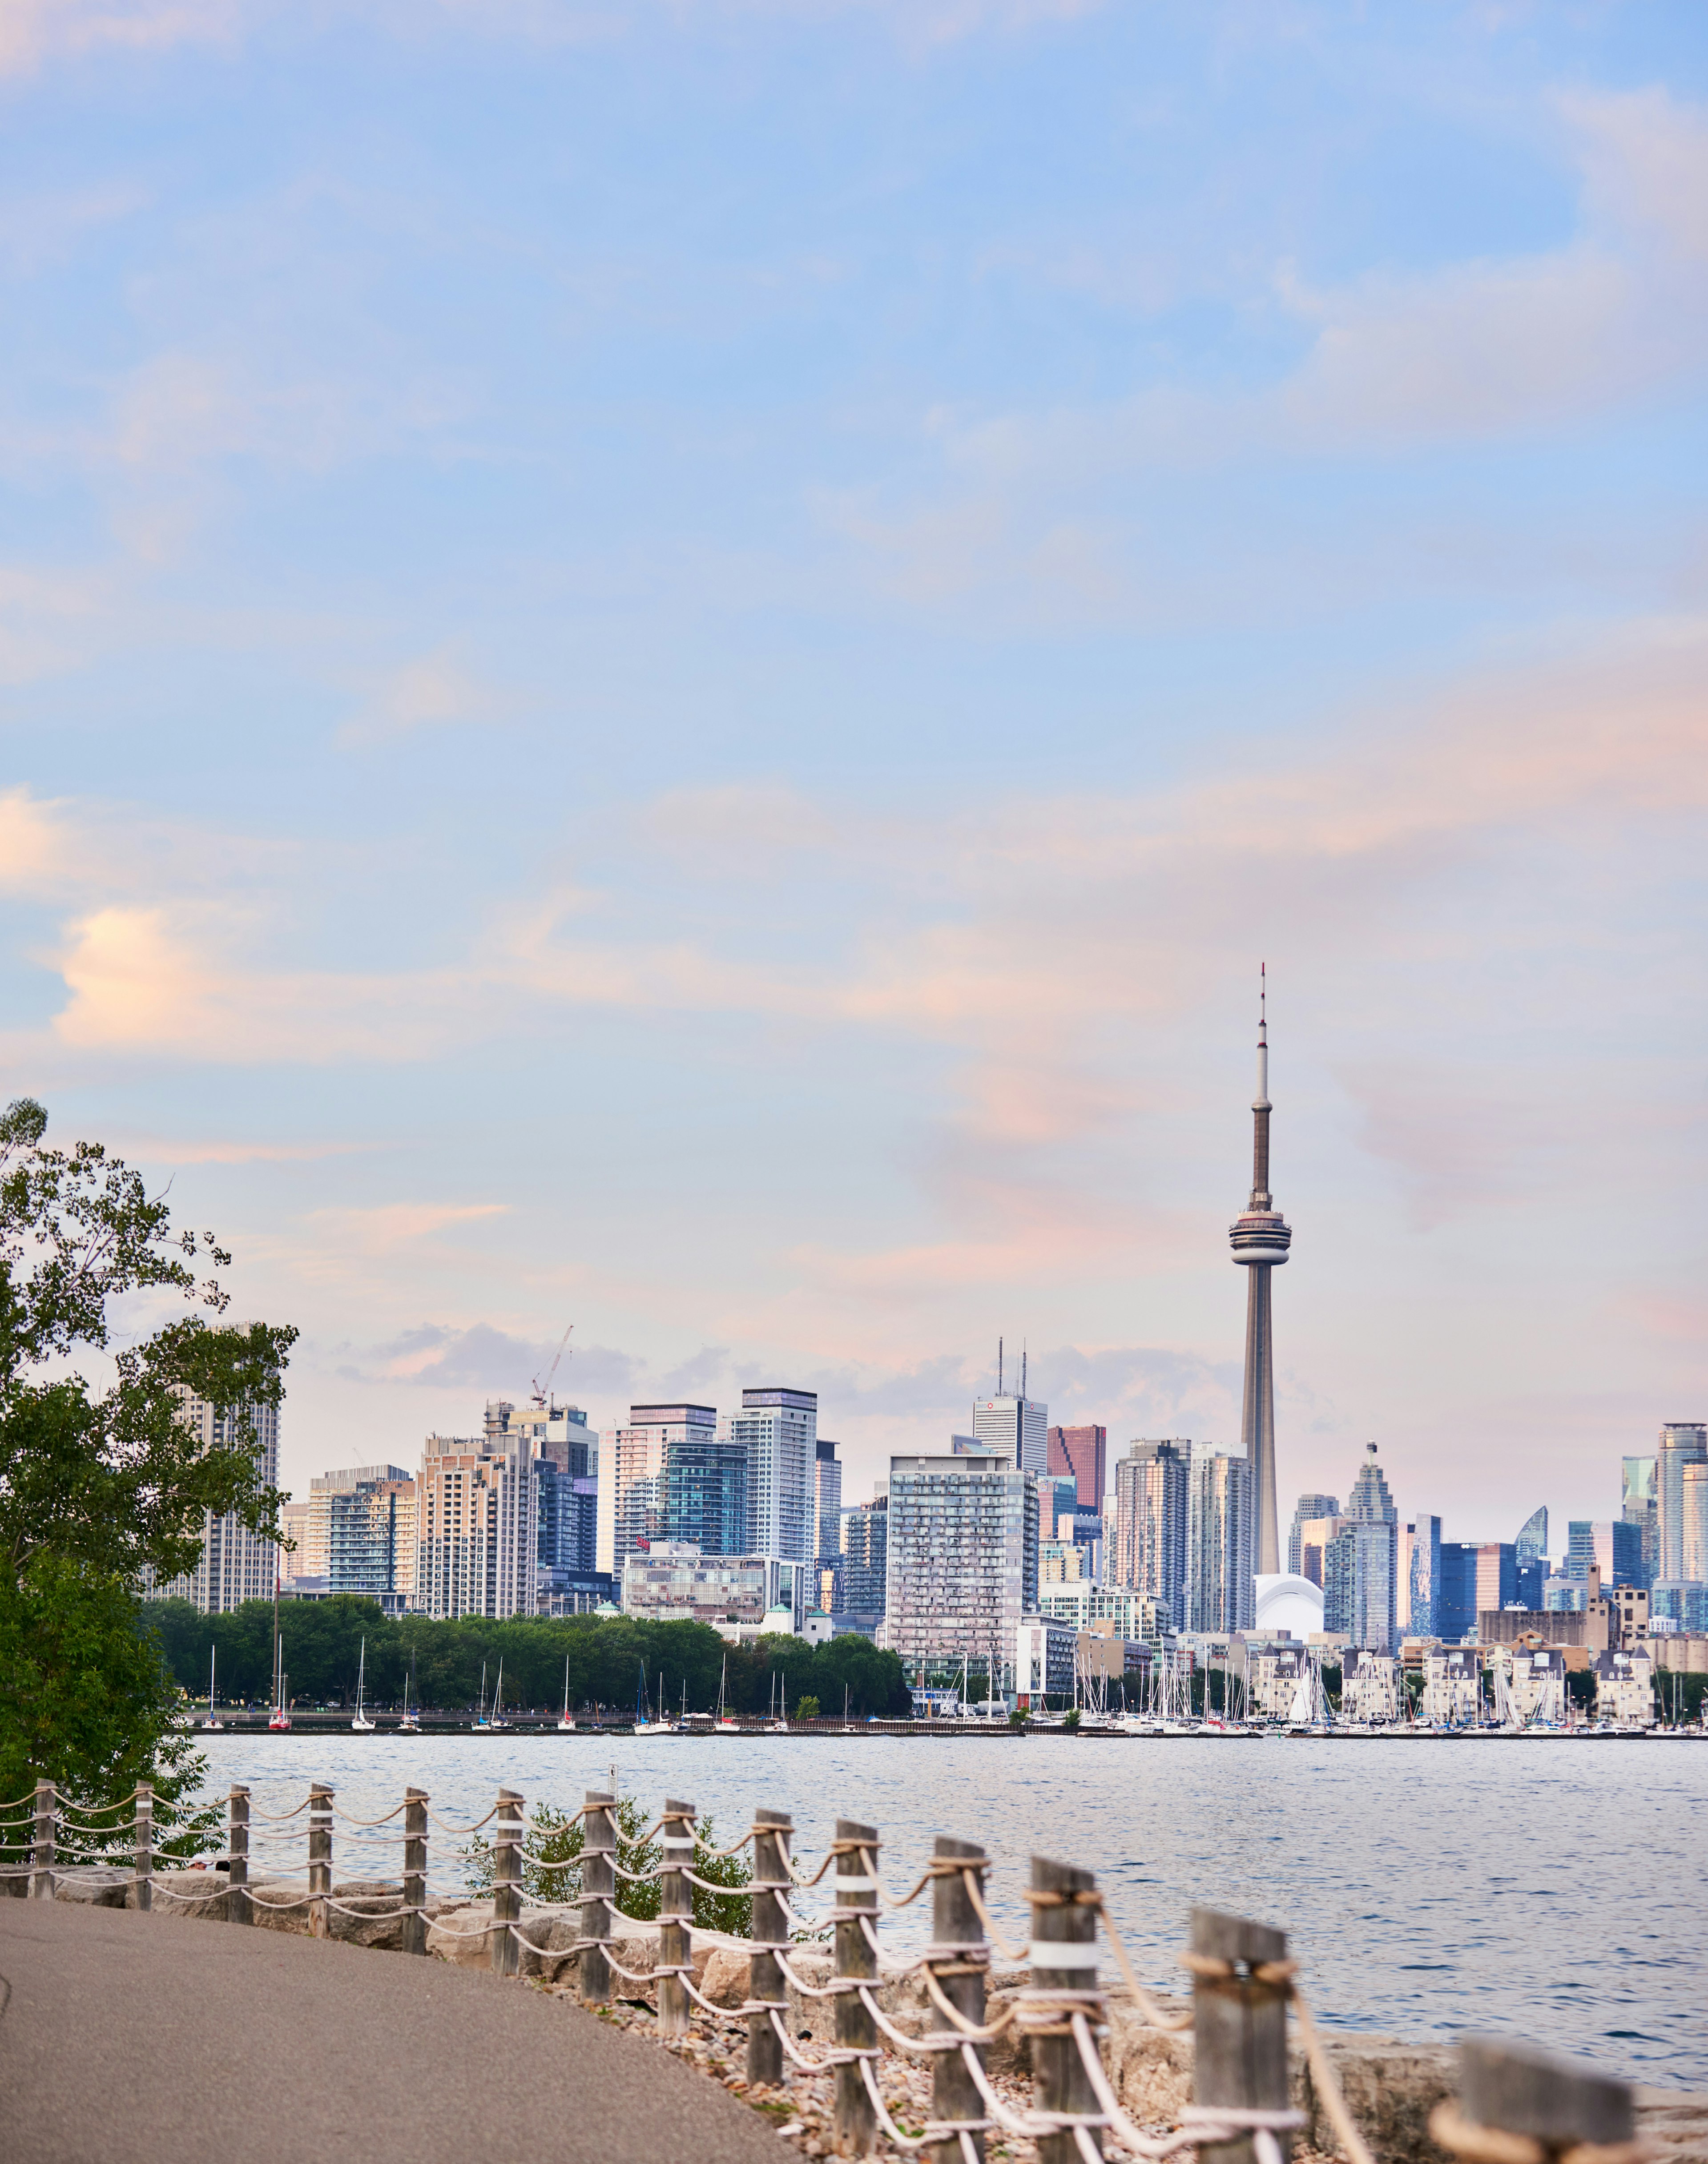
point(386, 1820)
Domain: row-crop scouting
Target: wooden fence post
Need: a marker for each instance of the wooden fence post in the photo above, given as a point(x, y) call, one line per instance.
point(1520, 2091)
point(1064, 1958)
point(144, 1861)
point(957, 1961)
point(773, 1832)
point(237, 1901)
point(1239, 2026)
point(41, 1876)
point(319, 1860)
point(855, 2131)
point(676, 1901)
point(502, 1950)
point(598, 1888)
point(415, 1870)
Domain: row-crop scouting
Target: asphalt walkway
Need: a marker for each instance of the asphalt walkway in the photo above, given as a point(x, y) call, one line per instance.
point(135, 2039)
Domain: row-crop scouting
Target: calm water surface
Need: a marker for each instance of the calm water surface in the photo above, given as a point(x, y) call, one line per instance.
point(1554, 1890)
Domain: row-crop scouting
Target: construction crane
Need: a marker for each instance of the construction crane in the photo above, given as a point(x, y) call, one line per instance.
point(542, 1389)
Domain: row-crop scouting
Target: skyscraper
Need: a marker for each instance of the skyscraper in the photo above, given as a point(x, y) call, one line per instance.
point(962, 1557)
point(1149, 1542)
point(1421, 1585)
point(828, 1472)
point(364, 1525)
point(1361, 1566)
point(1636, 1506)
point(235, 1565)
point(1260, 1239)
point(1220, 1594)
point(1081, 1452)
point(1304, 1510)
point(1682, 1443)
point(705, 1490)
point(478, 1519)
point(780, 1429)
point(631, 1499)
point(1016, 1424)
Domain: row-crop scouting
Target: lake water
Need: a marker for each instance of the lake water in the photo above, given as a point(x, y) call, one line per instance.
point(1554, 1890)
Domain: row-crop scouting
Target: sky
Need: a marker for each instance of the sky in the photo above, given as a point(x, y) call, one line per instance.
point(665, 668)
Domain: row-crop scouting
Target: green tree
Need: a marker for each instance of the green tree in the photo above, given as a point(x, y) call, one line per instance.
point(101, 1485)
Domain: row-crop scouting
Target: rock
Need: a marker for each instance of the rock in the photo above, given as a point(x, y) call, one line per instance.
point(100, 1885)
point(195, 1893)
point(1390, 2088)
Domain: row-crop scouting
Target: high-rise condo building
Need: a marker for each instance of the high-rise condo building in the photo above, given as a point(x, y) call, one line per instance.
point(1082, 1454)
point(1361, 1566)
point(1220, 1592)
point(828, 1506)
point(1683, 1443)
point(363, 1523)
point(1476, 1576)
point(705, 1490)
point(865, 1557)
point(1693, 1545)
point(235, 1565)
point(1315, 1534)
point(1636, 1506)
point(1152, 1514)
point(962, 1546)
point(567, 1463)
point(780, 1430)
point(1307, 1508)
point(632, 1501)
point(1058, 1498)
point(1018, 1427)
point(297, 1560)
point(478, 1512)
point(1531, 1544)
point(1261, 1239)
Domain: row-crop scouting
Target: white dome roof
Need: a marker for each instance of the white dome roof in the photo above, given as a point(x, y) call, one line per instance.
point(1289, 1603)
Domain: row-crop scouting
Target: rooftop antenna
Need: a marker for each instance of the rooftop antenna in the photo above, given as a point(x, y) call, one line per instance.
point(999, 1367)
point(1022, 1366)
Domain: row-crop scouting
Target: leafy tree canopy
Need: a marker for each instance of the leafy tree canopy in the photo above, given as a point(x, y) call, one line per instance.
point(115, 1480)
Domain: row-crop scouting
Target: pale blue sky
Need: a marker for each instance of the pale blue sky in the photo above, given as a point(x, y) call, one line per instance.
point(669, 664)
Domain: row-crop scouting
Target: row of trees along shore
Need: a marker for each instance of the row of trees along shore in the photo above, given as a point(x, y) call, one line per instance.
point(442, 1662)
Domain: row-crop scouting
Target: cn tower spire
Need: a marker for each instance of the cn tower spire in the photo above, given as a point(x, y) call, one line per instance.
point(1260, 1238)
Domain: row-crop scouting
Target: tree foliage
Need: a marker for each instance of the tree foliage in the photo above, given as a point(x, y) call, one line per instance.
point(442, 1662)
point(104, 1485)
point(551, 1866)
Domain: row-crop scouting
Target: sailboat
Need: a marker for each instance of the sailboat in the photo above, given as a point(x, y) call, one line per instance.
point(213, 1719)
point(726, 1726)
point(569, 1719)
point(780, 1704)
point(361, 1723)
point(481, 1720)
point(493, 1718)
point(411, 1722)
point(847, 1726)
point(280, 1720)
point(645, 1725)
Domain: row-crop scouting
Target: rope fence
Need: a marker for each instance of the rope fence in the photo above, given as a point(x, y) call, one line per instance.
point(1244, 1987)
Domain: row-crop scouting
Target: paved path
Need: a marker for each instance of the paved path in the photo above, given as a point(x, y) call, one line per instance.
point(135, 2038)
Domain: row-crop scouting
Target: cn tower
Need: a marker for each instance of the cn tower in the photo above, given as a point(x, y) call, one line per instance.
point(1260, 1239)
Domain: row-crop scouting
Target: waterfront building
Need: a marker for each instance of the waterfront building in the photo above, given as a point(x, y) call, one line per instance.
point(1081, 1455)
point(363, 1529)
point(631, 1507)
point(478, 1515)
point(1370, 1686)
point(1683, 1444)
point(235, 1565)
point(1270, 1673)
point(705, 1492)
point(864, 1557)
point(1152, 1523)
point(1017, 1426)
point(1627, 1616)
point(780, 1429)
point(1117, 1610)
point(962, 1554)
point(1452, 1687)
point(1045, 1661)
point(827, 1501)
point(1591, 1625)
point(1307, 1509)
point(673, 1582)
point(1624, 1688)
point(1638, 1507)
point(1533, 1682)
point(1419, 1578)
point(1220, 1593)
point(1260, 1238)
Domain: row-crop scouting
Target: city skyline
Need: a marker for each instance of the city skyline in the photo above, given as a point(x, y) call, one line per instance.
point(682, 691)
